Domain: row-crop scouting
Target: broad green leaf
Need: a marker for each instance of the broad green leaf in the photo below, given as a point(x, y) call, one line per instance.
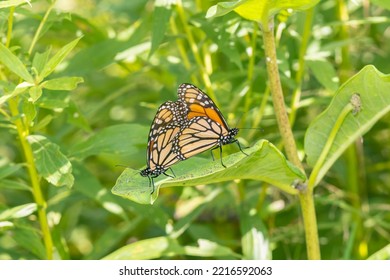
point(161, 15)
point(382, 3)
point(258, 10)
point(50, 162)
point(64, 83)
point(13, 3)
point(324, 73)
point(148, 249)
point(264, 163)
point(18, 212)
point(13, 63)
point(117, 139)
point(382, 254)
point(373, 87)
point(57, 59)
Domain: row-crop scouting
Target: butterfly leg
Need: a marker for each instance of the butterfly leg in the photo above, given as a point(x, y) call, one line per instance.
point(151, 184)
point(220, 154)
point(239, 146)
point(170, 175)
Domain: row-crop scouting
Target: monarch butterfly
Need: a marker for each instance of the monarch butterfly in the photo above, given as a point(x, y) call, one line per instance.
point(168, 121)
point(206, 127)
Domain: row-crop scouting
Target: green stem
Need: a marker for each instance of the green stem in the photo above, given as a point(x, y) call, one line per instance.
point(23, 133)
point(306, 200)
point(316, 174)
point(251, 70)
point(277, 95)
point(10, 26)
point(306, 195)
point(195, 50)
point(36, 188)
point(296, 96)
point(182, 50)
point(40, 27)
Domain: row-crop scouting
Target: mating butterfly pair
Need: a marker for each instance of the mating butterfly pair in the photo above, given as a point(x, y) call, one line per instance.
point(185, 128)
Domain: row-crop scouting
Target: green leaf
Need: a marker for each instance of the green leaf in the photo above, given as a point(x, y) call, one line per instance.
point(258, 10)
point(40, 60)
point(13, 3)
point(9, 169)
point(14, 185)
point(254, 239)
point(29, 111)
point(324, 73)
point(382, 254)
point(264, 163)
point(29, 238)
point(64, 83)
point(50, 162)
point(161, 15)
point(148, 249)
point(18, 212)
point(197, 208)
point(117, 139)
point(35, 93)
point(207, 248)
point(373, 87)
point(57, 59)
point(13, 63)
point(382, 3)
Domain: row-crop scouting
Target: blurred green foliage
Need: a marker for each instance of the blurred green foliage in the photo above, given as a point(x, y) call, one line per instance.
point(131, 57)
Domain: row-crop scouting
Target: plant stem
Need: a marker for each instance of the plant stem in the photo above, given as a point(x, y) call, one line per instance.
point(36, 188)
point(23, 132)
point(195, 50)
point(305, 196)
point(39, 30)
point(277, 95)
point(317, 173)
point(306, 200)
point(296, 96)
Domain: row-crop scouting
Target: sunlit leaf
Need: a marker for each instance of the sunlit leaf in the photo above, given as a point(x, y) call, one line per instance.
point(63, 83)
point(50, 162)
point(13, 63)
point(373, 87)
point(58, 58)
point(148, 249)
point(18, 212)
point(161, 16)
point(264, 163)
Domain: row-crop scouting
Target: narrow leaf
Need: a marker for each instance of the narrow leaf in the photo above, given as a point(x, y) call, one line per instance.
point(161, 16)
point(64, 83)
point(18, 212)
point(50, 162)
point(148, 249)
point(13, 63)
point(13, 3)
point(58, 58)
